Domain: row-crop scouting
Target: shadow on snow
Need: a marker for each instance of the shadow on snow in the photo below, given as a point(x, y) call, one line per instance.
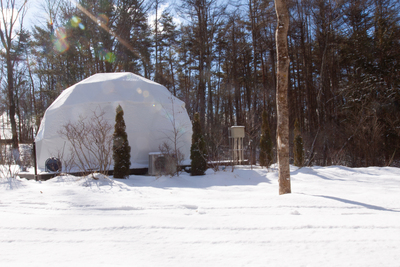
point(368, 206)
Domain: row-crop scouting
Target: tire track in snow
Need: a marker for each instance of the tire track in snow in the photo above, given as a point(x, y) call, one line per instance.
point(142, 227)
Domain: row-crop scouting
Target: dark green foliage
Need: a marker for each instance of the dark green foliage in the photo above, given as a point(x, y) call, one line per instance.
point(198, 151)
point(266, 145)
point(298, 150)
point(121, 148)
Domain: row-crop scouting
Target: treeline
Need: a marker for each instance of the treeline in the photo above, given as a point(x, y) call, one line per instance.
point(220, 59)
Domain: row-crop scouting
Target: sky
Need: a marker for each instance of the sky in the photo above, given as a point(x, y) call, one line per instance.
point(35, 14)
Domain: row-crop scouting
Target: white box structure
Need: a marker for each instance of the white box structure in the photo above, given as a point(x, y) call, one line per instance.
point(236, 135)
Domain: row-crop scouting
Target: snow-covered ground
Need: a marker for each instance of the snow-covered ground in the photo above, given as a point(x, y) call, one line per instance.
point(336, 216)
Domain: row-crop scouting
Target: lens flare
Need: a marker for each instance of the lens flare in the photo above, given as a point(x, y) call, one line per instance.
point(60, 40)
point(61, 45)
point(60, 33)
point(110, 57)
point(75, 21)
point(105, 55)
point(102, 19)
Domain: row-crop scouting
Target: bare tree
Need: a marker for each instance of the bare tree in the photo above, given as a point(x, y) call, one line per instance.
point(172, 147)
point(7, 167)
point(12, 13)
point(282, 14)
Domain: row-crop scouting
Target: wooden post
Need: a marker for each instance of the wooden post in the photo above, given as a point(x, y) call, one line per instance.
point(34, 159)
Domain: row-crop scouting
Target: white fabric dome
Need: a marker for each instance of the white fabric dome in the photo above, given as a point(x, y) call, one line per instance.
point(148, 107)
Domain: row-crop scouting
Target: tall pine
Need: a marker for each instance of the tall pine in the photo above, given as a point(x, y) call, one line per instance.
point(266, 152)
point(121, 148)
point(298, 149)
point(198, 152)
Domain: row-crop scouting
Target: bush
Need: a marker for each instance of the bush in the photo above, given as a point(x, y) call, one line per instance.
point(173, 159)
point(198, 150)
point(90, 144)
point(121, 148)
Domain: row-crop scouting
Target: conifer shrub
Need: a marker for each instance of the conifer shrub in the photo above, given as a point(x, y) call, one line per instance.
point(121, 148)
point(298, 150)
point(198, 150)
point(266, 144)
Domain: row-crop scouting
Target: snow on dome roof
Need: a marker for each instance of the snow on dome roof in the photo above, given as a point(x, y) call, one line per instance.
point(147, 109)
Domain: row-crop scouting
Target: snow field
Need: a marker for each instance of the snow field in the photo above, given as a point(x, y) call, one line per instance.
point(336, 216)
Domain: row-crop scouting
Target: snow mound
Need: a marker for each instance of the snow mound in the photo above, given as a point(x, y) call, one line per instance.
point(12, 183)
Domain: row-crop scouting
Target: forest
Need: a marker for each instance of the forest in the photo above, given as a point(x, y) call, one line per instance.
point(219, 57)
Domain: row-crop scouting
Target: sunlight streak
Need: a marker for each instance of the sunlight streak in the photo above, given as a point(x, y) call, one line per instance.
point(102, 20)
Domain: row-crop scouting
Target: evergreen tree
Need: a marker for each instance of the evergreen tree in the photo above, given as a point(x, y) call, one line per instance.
point(298, 150)
point(266, 152)
point(121, 148)
point(198, 152)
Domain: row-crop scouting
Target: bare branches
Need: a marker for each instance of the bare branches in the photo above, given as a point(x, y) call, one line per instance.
point(8, 168)
point(172, 147)
point(90, 141)
point(10, 13)
point(173, 159)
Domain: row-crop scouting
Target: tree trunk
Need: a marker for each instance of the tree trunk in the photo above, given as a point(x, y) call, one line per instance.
point(282, 96)
point(10, 82)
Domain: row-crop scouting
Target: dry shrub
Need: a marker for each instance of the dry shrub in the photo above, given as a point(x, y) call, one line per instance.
point(90, 141)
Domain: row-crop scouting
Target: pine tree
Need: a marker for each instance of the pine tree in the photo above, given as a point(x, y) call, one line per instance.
point(198, 152)
point(121, 148)
point(266, 152)
point(298, 150)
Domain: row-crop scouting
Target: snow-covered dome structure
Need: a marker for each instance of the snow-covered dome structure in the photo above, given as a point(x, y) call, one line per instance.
point(149, 110)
